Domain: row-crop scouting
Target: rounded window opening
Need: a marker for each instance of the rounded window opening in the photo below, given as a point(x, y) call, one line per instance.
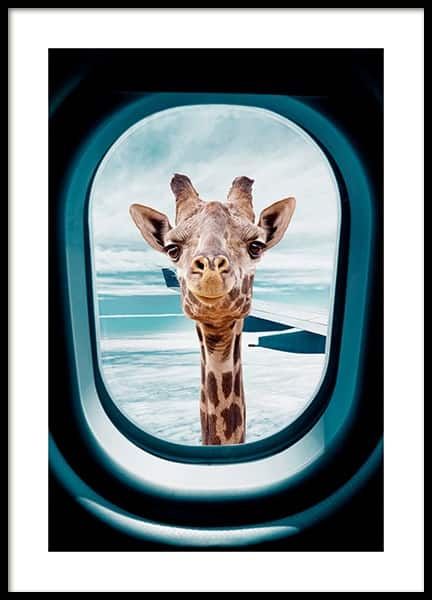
point(214, 292)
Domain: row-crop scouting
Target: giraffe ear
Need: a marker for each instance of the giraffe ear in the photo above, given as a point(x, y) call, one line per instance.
point(152, 224)
point(187, 199)
point(240, 196)
point(275, 219)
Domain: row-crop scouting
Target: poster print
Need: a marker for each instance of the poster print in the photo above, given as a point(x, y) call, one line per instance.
point(215, 246)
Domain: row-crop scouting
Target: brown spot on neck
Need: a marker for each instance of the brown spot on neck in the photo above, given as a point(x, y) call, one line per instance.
point(212, 392)
point(245, 285)
point(232, 417)
point(227, 380)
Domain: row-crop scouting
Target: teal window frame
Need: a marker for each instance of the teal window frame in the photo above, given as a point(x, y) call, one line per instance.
point(333, 407)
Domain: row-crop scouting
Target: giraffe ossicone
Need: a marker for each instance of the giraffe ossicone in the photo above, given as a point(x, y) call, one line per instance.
point(216, 247)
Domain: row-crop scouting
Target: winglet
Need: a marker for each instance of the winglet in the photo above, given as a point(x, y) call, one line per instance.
point(170, 277)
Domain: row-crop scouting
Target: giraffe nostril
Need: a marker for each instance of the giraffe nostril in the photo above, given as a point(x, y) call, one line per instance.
point(199, 264)
point(222, 264)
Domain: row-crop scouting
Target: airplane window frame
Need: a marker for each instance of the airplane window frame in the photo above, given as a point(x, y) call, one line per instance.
point(331, 409)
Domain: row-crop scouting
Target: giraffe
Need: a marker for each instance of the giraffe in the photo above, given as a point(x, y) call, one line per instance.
point(215, 247)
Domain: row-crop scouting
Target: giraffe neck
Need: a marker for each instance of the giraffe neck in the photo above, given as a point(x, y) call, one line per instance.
point(222, 405)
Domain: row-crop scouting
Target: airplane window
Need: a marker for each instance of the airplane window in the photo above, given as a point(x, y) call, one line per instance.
point(202, 181)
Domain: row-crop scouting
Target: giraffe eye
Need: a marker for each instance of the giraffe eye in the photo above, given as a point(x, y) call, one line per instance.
point(256, 249)
point(173, 251)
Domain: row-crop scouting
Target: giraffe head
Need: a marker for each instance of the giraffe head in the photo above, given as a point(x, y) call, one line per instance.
point(215, 246)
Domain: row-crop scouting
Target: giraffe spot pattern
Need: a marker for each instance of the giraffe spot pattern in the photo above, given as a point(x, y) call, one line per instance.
point(227, 302)
point(245, 285)
point(232, 418)
point(212, 341)
point(238, 303)
point(212, 393)
point(211, 435)
point(233, 293)
point(227, 350)
point(227, 380)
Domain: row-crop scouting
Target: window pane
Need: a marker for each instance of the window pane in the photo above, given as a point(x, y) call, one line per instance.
point(149, 351)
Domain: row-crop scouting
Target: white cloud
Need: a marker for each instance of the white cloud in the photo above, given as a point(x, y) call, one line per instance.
point(112, 260)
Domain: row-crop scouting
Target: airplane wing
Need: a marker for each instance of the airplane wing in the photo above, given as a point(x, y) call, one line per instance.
point(301, 331)
point(171, 280)
point(314, 322)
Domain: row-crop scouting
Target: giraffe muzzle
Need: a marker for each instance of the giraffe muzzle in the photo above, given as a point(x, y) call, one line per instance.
point(211, 277)
point(201, 265)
